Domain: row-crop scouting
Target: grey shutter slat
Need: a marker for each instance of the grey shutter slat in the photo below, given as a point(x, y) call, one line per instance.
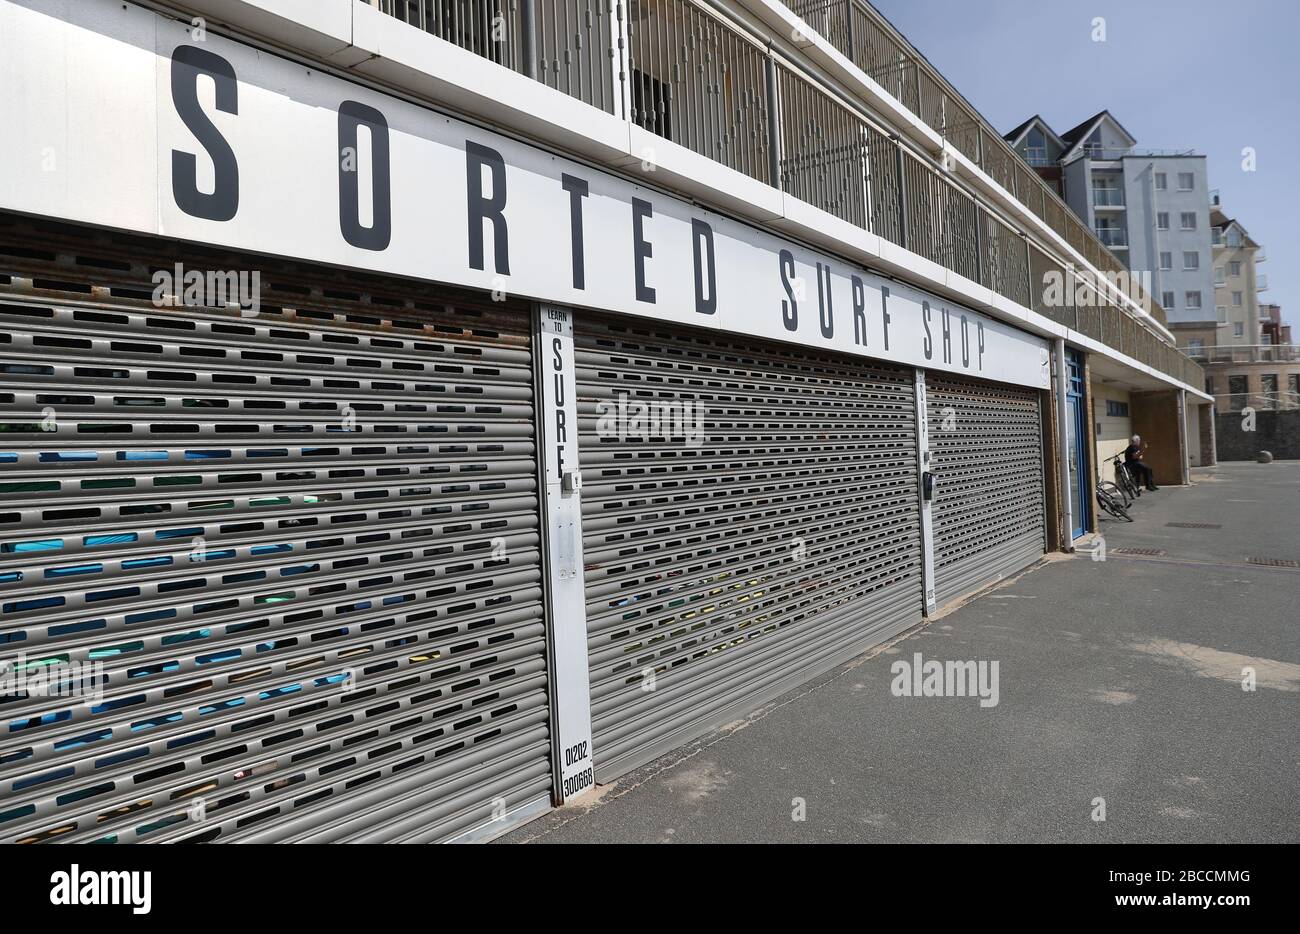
point(692, 566)
point(402, 549)
point(986, 451)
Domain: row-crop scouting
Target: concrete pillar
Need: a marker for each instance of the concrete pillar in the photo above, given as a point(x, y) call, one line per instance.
point(1209, 450)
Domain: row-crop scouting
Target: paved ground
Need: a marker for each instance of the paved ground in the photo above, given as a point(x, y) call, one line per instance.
point(1118, 679)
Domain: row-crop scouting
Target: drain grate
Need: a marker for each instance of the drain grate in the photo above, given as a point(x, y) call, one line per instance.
point(1274, 562)
point(1144, 552)
point(1192, 525)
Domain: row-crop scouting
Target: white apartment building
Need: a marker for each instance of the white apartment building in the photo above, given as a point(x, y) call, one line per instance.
point(1150, 208)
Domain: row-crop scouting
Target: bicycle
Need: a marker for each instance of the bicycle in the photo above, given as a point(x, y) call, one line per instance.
point(1111, 499)
point(1125, 480)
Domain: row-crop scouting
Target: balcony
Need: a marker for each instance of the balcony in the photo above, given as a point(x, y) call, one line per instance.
point(1247, 353)
point(1108, 198)
point(1116, 237)
point(681, 72)
point(1261, 283)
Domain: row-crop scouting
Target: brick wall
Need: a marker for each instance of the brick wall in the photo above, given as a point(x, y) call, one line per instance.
point(1275, 432)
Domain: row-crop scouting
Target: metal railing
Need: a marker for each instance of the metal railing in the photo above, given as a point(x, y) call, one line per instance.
point(490, 28)
point(1265, 401)
point(699, 83)
point(1113, 236)
point(1247, 353)
point(1108, 198)
point(688, 76)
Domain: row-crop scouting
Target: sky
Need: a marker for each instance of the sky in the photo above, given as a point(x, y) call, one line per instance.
point(1207, 75)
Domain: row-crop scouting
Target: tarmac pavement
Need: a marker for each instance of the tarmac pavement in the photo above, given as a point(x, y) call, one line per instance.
point(1119, 680)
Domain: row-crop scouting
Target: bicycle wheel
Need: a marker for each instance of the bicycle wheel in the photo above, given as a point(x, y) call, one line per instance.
point(1112, 505)
point(1126, 482)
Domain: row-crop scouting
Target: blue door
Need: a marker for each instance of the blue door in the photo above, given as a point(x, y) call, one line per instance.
point(1077, 426)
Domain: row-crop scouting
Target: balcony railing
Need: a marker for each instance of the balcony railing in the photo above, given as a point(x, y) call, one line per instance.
point(1261, 283)
point(1108, 198)
point(692, 78)
point(1113, 236)
point(1247, 353)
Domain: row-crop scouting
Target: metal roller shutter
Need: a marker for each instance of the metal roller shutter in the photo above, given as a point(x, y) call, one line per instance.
point(327, 630)
point(724, 572)
point(986, 452)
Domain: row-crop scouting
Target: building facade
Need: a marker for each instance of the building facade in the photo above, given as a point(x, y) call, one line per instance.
point(1152, 210)
point(413, 422)
point(1249, 360)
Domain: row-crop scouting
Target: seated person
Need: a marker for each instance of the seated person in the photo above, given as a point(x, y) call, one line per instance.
point(1133, 461)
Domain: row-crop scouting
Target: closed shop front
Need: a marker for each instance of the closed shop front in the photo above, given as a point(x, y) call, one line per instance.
point(296, 552)
point(750, 518)
point(986, 452)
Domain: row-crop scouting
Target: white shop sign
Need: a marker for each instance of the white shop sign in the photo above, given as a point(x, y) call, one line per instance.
point(116, 116)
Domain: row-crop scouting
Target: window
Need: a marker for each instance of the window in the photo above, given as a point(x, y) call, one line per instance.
point(1219, 278)
point(1237, 392)
point(1234, 238)
point(1195, 345)
point(1166, 261)
point(1293, 385)
point(1162, 181)
point(1167, 299)
point(1221, 312)
point(1186, 181)
point(1234, 268)
point(1162, 220)
point(1238, 329)
point(1191, 259)
point(1036, 147)
point(1236, 299)
point(1268, 386)
point(1192, 299)
point(1188, 220)
point(1116, 409)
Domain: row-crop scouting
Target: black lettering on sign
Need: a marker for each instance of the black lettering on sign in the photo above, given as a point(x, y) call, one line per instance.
point(352, 114)
point(859, 312)
point(641, 250)
point(188, 62)
point(561, 426)
point(965, 343)
point(927, 344)
point(979, 333)
point(703, 233)
point(825, 313)
point(884, 313)
point(946, 330)
point(577, 189)
point(789, 307)
point(482, 208)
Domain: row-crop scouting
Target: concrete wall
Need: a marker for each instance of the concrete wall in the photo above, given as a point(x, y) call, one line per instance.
point(1194, 435)
point(1275, 432)
point(1111, 432)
